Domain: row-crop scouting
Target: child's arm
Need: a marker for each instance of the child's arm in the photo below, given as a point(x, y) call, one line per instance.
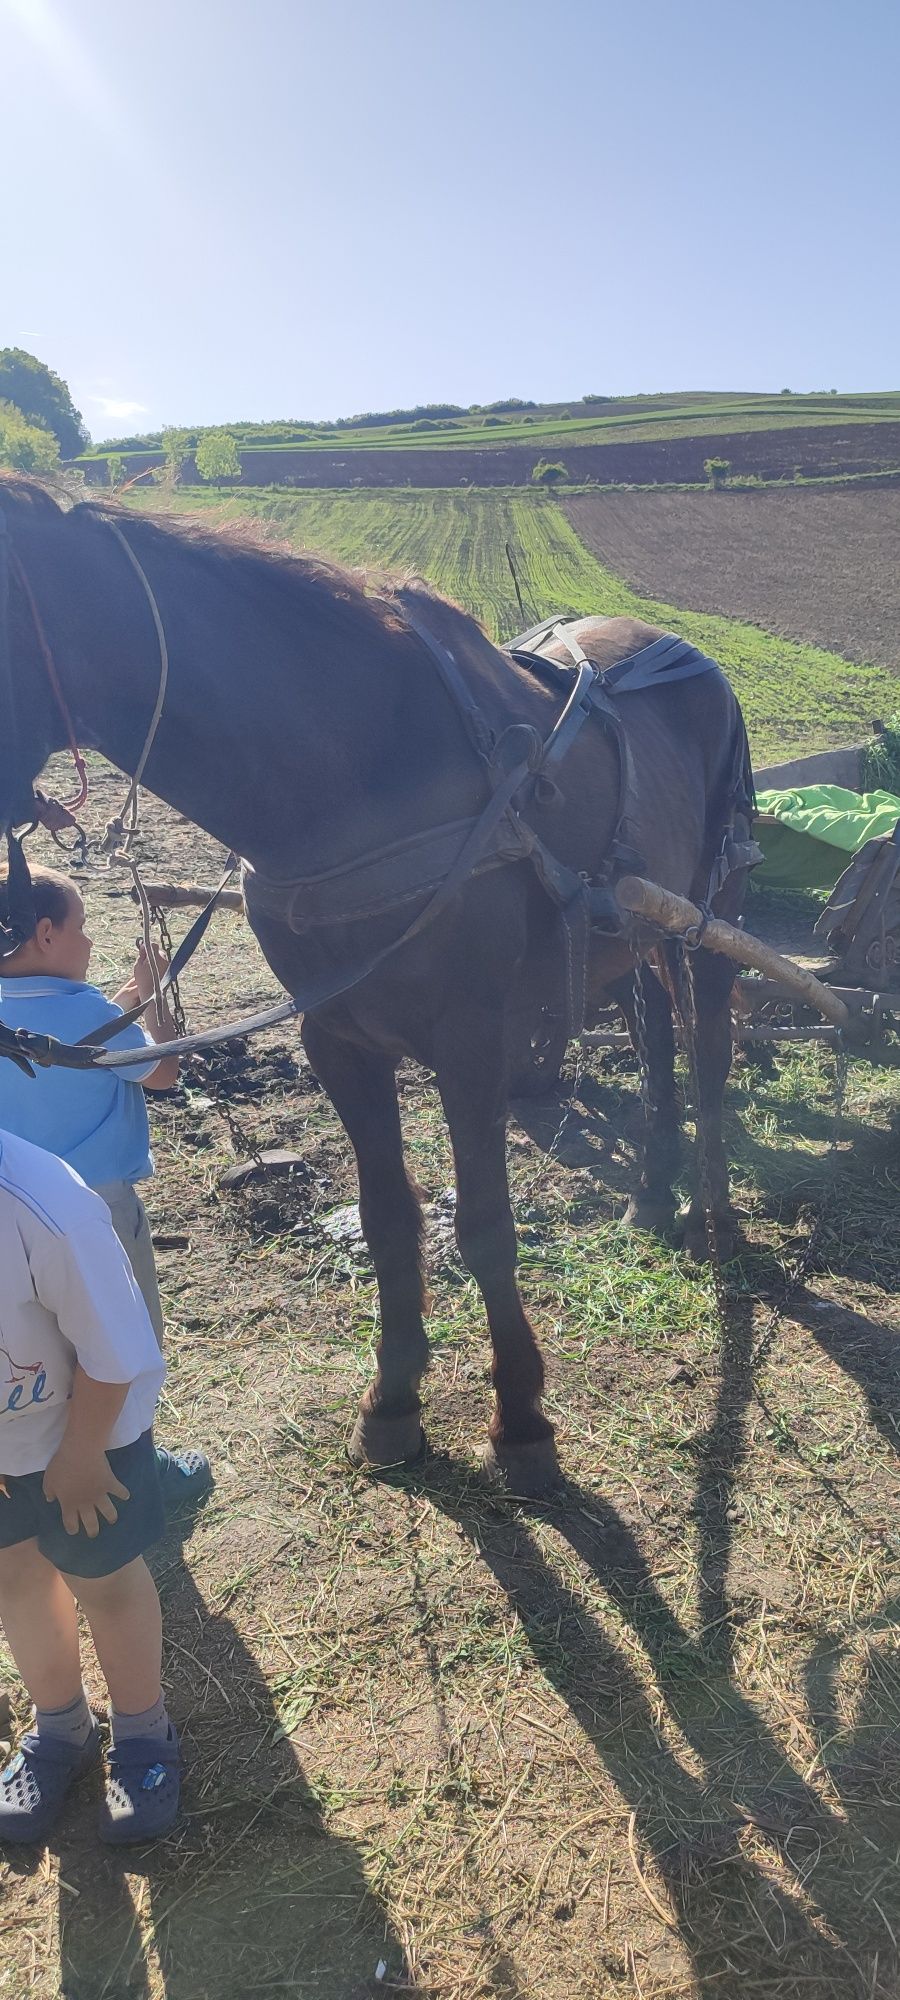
point(79, 1474)
point(160, 1026)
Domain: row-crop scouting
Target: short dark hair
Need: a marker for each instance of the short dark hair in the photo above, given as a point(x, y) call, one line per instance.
point(50, 892)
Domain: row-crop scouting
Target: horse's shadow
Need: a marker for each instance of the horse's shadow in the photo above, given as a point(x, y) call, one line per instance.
point(700, 1817)
point(251, 1894)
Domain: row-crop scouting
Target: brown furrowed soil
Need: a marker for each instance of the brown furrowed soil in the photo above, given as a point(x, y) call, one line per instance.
point(820, 566)
point(824, 450)
point(643, 1741)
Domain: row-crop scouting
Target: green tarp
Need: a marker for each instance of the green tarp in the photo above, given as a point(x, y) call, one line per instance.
point(808, 837)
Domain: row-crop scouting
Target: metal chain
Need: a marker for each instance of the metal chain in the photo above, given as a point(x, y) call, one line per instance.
point(704, 1183)
point(804, 1262)
point(242, 1145)
point(165, 939)
point(806, 1258)
point(641, 1045)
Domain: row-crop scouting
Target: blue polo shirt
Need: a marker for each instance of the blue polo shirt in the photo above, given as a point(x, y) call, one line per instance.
point(95, 1120)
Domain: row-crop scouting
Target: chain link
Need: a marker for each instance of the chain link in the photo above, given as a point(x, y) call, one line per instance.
point(174, 995)
point(806, 1258)
point(704, 1183)
point(641, 1045)
point(804, 1262)
point(242, 1145)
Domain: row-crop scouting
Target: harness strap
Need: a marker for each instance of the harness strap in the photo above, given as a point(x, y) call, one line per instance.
point(479, 730)
point(47, 1052)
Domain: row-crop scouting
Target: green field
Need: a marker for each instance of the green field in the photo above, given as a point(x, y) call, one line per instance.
point(618, 421)
point(795, 697)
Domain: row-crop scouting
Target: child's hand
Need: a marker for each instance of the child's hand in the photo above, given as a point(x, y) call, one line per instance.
point(85, 1486)
point(142, 976)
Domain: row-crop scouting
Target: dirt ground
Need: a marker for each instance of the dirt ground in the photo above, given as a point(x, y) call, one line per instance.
point(816, 565)
point(644, 1741)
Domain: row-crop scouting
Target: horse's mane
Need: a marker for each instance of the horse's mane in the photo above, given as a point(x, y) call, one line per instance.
point(311, 584)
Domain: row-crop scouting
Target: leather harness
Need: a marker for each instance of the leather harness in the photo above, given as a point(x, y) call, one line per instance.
point(428, 869)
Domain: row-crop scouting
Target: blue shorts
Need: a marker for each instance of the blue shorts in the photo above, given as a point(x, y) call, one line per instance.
point(26, 1516)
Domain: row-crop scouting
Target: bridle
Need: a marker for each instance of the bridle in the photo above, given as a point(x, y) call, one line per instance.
point(57, 814)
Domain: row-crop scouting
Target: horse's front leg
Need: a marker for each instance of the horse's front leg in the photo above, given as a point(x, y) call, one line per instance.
point(470, 1070)
point(652, 1205)
point(362, 1086)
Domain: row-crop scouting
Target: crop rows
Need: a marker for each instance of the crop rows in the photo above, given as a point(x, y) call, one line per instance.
point(794, 696)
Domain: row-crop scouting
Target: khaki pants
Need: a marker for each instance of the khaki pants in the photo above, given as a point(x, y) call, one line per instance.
point(129, 1220)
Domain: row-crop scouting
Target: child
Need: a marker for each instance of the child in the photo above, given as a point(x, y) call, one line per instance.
point(80, 1501)
point(95, 1122)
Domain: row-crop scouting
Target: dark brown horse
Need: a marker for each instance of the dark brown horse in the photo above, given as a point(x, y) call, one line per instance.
point(305, 725)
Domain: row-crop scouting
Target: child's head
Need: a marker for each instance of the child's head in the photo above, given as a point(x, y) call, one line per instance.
point(59, 947)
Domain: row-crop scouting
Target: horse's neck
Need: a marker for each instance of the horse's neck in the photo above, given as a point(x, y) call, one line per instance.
point(293, 762)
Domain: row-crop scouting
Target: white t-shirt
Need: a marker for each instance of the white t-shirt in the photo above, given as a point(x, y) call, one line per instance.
point(67, 1295)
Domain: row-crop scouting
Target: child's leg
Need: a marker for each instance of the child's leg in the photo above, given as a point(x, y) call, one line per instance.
point(143, 1783)
point(129, 1220)
point(125, 1620)
point(39, 1618)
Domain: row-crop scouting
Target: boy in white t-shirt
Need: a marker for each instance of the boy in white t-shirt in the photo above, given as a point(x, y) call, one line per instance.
point(80, 1502)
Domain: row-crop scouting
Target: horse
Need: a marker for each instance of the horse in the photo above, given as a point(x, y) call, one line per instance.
point(307, 726)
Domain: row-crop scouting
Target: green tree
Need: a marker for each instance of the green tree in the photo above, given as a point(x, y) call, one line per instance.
point(176, 444)
point(217, 457)
point(717, 471)
point(43, 398)
point(23, 446)
point(115, 469)
point(547, 474)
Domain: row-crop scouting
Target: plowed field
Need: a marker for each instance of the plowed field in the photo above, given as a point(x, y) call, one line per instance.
point(821, 567)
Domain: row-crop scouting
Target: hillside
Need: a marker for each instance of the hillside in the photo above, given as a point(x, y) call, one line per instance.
point(794, 696)
point(637, 440)
point(818, 565)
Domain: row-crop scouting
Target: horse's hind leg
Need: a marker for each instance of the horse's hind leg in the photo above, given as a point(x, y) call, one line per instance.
point(471, 1078)
point(363, 1089)
point(713, 978)
point(653, 1204)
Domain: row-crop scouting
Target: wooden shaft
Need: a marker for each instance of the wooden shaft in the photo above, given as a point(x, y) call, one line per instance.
point(187, 895)
point(676, 914)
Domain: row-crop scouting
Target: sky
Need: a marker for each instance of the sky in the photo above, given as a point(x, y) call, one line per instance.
point(225, 210)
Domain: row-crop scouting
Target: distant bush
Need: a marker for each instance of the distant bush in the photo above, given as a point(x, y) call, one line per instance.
point(115, 469)
point(25, 447)
point(717, 471)
point(504, 408)
point(547, 473)
point(491, 423)
point(217, 456)
point(369, 418)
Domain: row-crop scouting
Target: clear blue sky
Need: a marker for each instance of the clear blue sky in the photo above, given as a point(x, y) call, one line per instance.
point(235, 209)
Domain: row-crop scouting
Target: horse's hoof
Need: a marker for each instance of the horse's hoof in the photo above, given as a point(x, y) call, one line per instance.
point(530, 1471)
point(656, 1217)
point(383, 1441)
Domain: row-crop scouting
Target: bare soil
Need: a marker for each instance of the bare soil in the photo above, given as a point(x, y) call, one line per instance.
point(826, 450)
point(644, 1741)
point(818, 566)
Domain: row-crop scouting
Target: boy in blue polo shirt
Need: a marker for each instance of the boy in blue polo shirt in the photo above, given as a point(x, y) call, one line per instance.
point(96, 1122)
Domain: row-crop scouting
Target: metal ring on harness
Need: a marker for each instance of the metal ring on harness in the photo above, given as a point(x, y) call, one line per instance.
point(693, 937)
